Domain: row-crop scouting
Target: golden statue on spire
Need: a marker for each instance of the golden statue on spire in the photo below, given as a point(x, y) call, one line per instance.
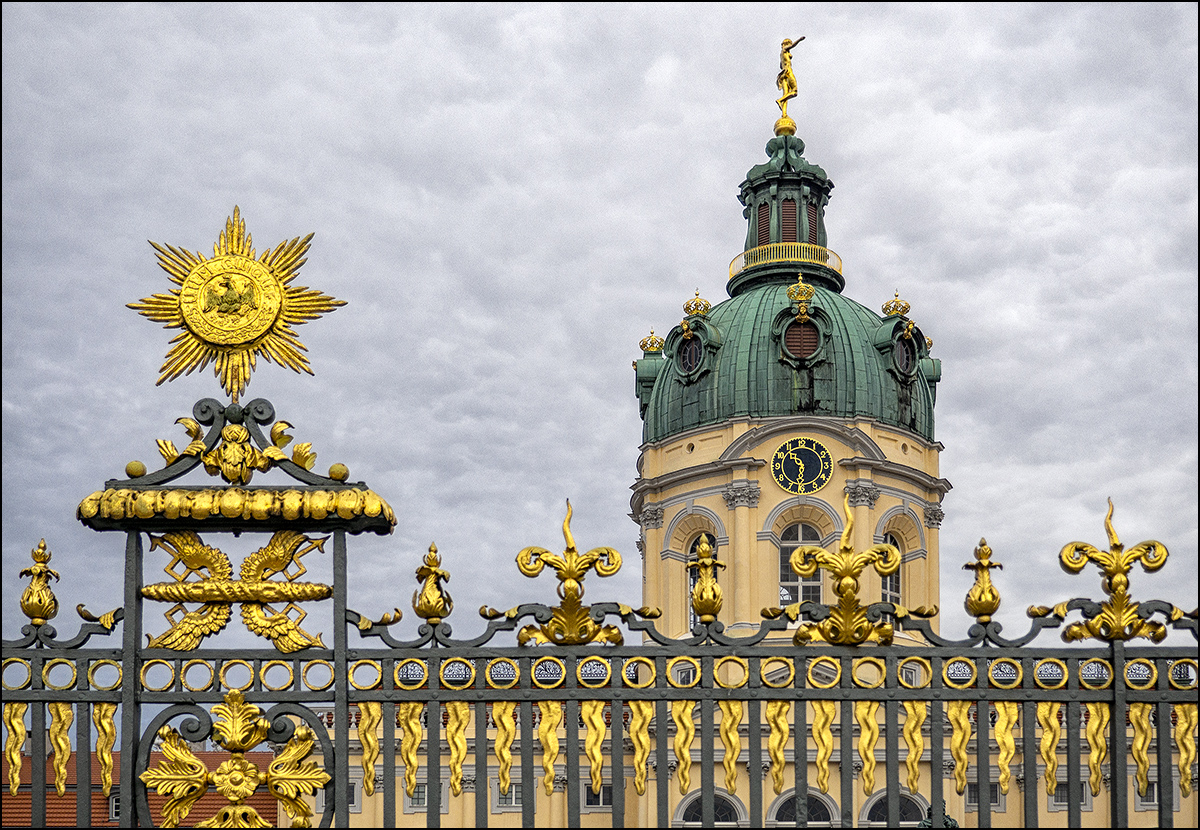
point(786, 81)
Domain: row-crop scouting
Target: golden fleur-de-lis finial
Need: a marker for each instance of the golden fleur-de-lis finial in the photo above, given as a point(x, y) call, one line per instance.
point(1118, 617)
point(983, 599)
point(233, 308)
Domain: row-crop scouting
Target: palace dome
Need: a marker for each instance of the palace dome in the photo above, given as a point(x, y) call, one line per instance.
point(777, 347)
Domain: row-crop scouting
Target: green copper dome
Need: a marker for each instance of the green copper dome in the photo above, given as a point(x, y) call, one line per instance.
point(768, 351)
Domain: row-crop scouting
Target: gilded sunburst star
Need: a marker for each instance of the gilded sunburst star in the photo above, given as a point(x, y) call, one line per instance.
point(233, 307)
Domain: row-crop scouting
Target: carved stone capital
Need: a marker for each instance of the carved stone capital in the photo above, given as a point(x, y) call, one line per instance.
point(741, 494)
point(560, 783)
point(862, 493)
point(651, 516)
point(934, 516)
point(468, 783)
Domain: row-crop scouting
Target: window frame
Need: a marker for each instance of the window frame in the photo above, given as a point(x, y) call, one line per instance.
point(815, 582)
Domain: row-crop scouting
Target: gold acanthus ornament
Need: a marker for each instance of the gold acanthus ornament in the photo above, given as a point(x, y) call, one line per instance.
point(37, 600)
point(254, 590)
point(1118, 617)
point(571, 622)
point(983, 599)
point(706, 593)
point(182, 778)
point(235, 458)
point(847, 622)
point(234, 308)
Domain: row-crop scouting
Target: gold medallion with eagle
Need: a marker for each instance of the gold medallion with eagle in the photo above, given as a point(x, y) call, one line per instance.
point(234, 308)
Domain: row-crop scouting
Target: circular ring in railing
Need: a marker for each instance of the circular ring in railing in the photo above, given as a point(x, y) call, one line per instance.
point(740, 661)
point(787, 664)
point(1193, 673)
point(229, 664)
point(91, 675)
point(837, 672)
point(212, 674)
point(1002, 682)
point(603, 675)
point(454, 680)
point(376, 683)
point(869, 661)
point(1050, 661)
point(146, 667)
point(267, 666)
point(28, 673)
point(633, 661)
point(1150, 678)
point(502, 661)
point(544, 678)
point(920, 661)
point(1103, 666)
point(415, 679)
point(308, 666)
point(963, 678)
point(59, 661)
point(675, 661)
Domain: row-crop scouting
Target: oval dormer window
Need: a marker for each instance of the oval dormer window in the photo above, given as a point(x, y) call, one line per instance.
point(802, 340)
point(905, 356)
point(689, 354)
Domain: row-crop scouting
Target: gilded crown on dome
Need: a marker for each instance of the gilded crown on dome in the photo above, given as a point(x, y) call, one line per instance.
point(896, 306)
point(696, 305)
point(801, 292)
point(653, 343)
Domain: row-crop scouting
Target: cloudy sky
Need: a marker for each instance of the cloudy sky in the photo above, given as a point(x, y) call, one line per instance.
point(510, 197)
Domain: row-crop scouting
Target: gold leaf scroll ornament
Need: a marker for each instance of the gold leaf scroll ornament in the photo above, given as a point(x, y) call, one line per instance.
point(234, 308)
point(182, 777)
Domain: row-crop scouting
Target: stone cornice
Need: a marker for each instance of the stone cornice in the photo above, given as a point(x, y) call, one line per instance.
point(701, 471)
point(858, 464)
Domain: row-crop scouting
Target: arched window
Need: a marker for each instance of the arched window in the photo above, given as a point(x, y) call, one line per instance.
point(725, 812)
point(891, 584)
point(819, 813)
point(694, 573)
point(690, 354)
point(911, 811)
point(793, 588)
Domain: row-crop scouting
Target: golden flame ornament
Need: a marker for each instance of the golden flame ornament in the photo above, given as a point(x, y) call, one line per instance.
point(234, 308)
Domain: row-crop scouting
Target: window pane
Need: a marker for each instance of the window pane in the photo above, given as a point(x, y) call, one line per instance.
point(809, 534)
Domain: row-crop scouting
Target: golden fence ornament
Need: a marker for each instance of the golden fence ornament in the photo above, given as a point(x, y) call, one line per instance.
point(570, 622)
point(432, 602)
point(182, 778)
point(847, 621)
point(254, 590)
point(983, 600)
point(706, 593)
point(233, 308)
point(1117, 618)
point(37, 600)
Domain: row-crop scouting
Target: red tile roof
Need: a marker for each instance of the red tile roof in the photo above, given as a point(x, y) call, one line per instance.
point(60, 812)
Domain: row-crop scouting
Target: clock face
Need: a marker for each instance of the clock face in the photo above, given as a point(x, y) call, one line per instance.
point(802, 466)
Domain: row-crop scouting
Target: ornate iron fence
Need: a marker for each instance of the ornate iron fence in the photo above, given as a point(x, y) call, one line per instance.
point(571, 694)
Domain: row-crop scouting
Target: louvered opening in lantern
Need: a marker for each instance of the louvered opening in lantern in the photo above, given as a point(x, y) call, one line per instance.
point(789, 230)
point(812, 224)
point(764, 223)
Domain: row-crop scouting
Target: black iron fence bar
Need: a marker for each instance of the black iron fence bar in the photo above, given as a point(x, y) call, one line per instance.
point(1118, 792)
point(483, 792)
point(341, 686)
point(617, 709)
point(1074, 785)
point(661, 771)
point(754, 763)
point(983, 751)
point(389, 757)
point(131, 711)
point(707, 748)
point(846, 745)
point(799, 751)
point(1162, 732)
point(528, 777)
point(571, 719)
point(937, 740)
point(1028, 754)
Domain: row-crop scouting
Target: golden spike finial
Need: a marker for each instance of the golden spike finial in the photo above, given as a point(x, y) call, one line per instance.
point(432, 602)
point(786, 82)
point(1113, 542)
point(38, 601)
point(570, 540)
point(983, 599)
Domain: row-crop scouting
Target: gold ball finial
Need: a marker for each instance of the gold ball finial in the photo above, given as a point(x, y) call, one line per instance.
point(339, 472)
point(896, 306)
point(697, 305)
point(785, 126)
point(135, 469)
point(653, 343)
